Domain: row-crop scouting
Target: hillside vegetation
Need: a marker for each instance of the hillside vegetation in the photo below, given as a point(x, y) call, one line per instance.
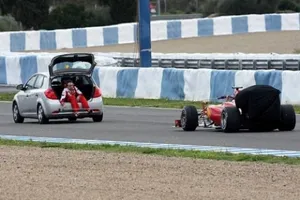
point(61, 14)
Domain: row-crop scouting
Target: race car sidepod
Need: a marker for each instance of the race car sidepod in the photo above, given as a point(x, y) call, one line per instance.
point(258, 108)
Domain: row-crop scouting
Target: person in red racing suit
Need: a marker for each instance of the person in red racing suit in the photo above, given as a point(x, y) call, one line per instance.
point(230, 98)
point(73, 95)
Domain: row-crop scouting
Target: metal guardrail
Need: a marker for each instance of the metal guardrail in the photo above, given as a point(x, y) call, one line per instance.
point(176, 17)
point(231, 64)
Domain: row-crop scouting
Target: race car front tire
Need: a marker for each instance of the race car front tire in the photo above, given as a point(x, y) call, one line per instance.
point(230, 119)
point(288, 118)
point(189, 118)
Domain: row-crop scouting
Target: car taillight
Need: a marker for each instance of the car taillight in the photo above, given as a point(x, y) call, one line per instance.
point(50, 94)
point(97, 92)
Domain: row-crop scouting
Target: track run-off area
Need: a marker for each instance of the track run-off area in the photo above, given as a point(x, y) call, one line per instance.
point(283, 42)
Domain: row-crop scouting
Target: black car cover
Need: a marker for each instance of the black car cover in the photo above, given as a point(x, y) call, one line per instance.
point(260, 103)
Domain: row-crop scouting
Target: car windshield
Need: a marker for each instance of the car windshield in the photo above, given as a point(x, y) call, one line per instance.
point(66, 66)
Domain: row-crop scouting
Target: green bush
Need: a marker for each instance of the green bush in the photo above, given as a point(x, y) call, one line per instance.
point(8, 23)
point(236, 7)
point(122, 11)
point(99, 17)
point(182, 6)
point(66, 16)
point(6, 6)
point(243, 7)
point(209, 7)
point(76, 16)
point(240, 7)
point(32, 13)
point(288, 5)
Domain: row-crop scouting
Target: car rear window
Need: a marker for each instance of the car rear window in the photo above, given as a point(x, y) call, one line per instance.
point(72, 65)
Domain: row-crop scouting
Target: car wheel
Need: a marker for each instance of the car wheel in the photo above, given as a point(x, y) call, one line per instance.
point(189, 118)
point(230, 119)
point(72, 119)
point(41, 115)
point(98, 118)
point(288, 118)
point(16, 114)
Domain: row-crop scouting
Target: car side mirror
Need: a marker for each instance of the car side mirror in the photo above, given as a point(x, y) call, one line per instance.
point(20, 87)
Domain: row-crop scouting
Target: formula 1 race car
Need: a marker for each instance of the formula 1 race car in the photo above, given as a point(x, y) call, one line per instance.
point(256, 108)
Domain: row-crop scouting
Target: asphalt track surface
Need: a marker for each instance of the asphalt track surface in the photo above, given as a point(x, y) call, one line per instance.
point(145, 125)
point(4, 89)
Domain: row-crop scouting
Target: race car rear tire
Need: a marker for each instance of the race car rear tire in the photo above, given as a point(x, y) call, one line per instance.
point(288, 118)
point(230, 119)
point(189, 118)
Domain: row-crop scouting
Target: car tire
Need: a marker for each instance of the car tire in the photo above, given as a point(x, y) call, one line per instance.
point(189, 118)
point(42, 119)
point(72, 119)
point(287, 118)
point(16, 114)
point(98, 118)
point(230, 119)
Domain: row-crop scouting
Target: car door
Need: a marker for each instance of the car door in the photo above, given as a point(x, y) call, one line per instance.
point(25, 98)
point(34, 94)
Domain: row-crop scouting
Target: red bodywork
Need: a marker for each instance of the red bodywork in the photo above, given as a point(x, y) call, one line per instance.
point(213, 112)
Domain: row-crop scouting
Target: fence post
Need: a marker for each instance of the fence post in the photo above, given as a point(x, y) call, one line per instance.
point(144, 33)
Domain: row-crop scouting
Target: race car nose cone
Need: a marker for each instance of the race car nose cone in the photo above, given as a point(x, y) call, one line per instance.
point(177, 123)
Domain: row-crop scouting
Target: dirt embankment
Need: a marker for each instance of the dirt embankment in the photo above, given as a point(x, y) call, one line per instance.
point(33, 173)
point(278, 42)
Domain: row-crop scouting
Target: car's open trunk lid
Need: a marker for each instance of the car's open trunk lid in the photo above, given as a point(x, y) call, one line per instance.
point(77, 63)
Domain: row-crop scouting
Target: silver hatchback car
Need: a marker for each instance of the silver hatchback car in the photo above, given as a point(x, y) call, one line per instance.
point(39, 97)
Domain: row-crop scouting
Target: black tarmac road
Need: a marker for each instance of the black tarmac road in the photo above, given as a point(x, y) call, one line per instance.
point(145, 125)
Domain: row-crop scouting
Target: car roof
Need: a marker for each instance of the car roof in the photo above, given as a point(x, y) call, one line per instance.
point(43, 73)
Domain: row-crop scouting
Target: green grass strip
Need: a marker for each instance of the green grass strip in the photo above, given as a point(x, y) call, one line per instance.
point(160, 152)
point(7, 96)
point(158, 103)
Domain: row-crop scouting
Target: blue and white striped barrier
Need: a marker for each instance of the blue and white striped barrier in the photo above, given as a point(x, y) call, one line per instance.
point(17, 68)
point(156, 83)
point(191, 84)
point(160, 30)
